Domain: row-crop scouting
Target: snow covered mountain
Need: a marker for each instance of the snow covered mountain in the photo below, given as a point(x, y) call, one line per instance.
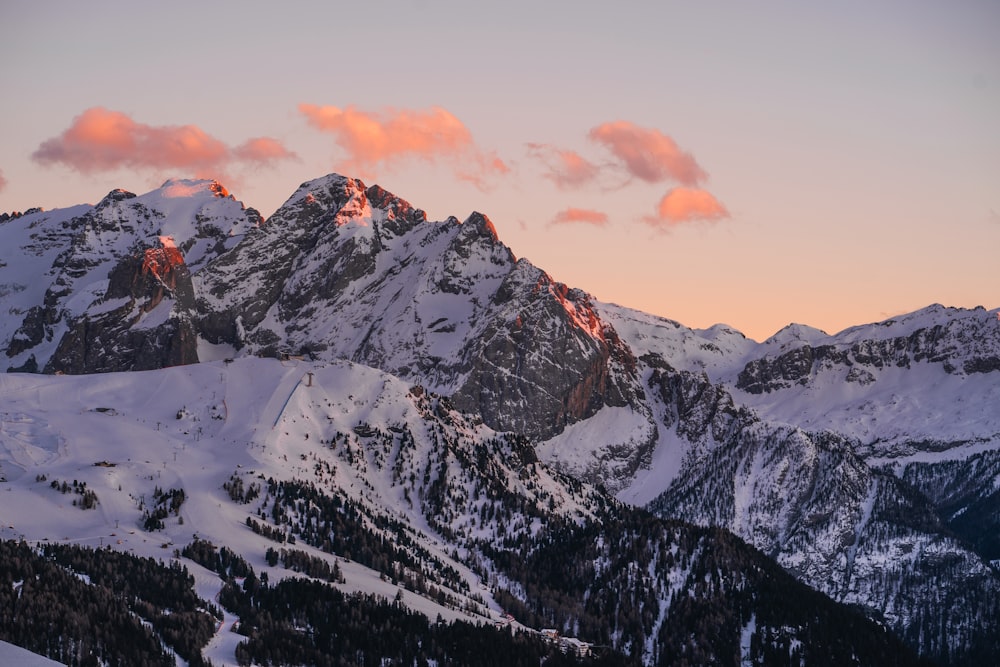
point(344, 474)
point(344, 271)
point(843, 457)
point(864, 462)
point(91, 289)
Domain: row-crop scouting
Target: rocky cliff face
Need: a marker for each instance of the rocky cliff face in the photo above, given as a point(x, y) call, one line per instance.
point(809, 501)
point(568, 365)
point(141, 322)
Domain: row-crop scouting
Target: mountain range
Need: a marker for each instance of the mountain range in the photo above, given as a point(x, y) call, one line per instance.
point(480, 422)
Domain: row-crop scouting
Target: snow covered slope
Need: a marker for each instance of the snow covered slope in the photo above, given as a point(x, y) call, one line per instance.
point(385, 482)
point(206, 427)
point(15, 655)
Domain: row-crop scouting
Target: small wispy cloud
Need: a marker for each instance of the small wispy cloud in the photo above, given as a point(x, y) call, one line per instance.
point(648, 154)
point(385, 138)
point(566, 168)
point(263, 151)
point(3, 181)
point(587, 216)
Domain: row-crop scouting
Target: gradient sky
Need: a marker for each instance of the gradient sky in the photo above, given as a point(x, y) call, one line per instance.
point(754, 164)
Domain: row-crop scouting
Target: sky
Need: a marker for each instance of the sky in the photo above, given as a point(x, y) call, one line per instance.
point(753, 164)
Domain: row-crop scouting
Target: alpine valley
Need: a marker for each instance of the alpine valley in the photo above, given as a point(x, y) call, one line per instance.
point(350, 435)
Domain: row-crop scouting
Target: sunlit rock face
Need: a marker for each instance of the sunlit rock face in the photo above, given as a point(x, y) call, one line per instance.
point(141, 322)
point(111, 285)
point(568, 363)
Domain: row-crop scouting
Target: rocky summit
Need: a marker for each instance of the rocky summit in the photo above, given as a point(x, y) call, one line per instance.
point(863, 462)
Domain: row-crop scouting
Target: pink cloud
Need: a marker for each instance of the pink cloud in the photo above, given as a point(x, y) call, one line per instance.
point(3, 181)
point(566, 168)
point(103, 140)
point(264, 151)
point(479, 169)
point(384, 138)
point(648, 154)
point(681, 205)
point(371, 138)
point(580, 215)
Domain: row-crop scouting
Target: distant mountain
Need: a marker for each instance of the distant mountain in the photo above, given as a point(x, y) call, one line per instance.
point(863, 462)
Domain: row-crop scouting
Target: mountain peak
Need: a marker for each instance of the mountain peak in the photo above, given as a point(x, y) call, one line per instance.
point(316, 200)
point(399, 214)
point(113, 197)
point(332, 179)
point(185, 187)
point(337, 185)
point(796, 334)
point(481, 224)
